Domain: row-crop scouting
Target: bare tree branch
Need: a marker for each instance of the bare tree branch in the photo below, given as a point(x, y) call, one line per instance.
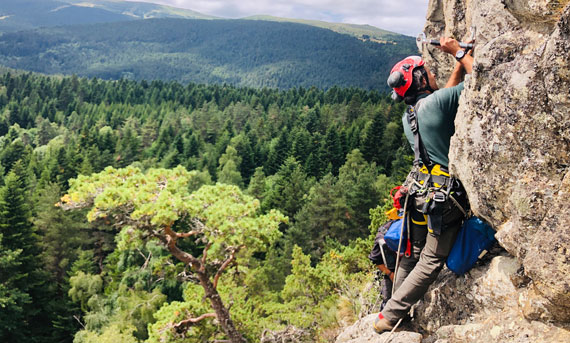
point(187, 234)
point(79, 321)
point(170, 241)
point(225, 265)
point(182, 325)
point(146, 258)
point(204, 256)
point(199, 228)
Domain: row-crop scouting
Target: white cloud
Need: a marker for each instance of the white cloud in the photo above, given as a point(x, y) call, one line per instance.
point(405, 17)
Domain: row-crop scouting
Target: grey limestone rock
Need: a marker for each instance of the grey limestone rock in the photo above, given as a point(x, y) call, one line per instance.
point(511, 150)
point(512, 143)
point(486, 305)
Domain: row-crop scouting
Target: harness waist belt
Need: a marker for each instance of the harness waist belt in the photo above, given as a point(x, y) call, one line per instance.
point(439, 176)
point(437, 169)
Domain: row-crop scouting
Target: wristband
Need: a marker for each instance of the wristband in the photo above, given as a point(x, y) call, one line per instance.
point(459, 54)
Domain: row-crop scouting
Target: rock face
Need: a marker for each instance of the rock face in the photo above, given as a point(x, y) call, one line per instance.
point(485, 305)
point(511, 150)
point(512, 143)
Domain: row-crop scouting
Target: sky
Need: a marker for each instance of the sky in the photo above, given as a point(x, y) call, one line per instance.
point(406, 17)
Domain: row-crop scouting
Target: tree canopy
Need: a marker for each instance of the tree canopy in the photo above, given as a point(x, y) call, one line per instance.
point(180, 194)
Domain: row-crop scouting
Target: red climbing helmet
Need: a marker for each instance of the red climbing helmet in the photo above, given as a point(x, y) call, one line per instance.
point(401, 76)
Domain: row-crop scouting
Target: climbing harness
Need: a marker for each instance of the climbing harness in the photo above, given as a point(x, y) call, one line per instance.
point(431, 185)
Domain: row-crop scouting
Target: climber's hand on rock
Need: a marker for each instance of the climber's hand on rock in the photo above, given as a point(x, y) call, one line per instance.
point(470, 51)
point(449, 45)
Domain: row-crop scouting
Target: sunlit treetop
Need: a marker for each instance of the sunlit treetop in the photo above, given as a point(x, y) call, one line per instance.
point(159, 201)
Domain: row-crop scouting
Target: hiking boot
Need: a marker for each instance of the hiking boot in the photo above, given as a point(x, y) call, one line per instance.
point(382, 324)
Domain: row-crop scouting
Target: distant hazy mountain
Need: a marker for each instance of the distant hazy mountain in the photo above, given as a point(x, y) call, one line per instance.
point(239, 52)
point(109, 39)
point(28, 14)
point(364, 32)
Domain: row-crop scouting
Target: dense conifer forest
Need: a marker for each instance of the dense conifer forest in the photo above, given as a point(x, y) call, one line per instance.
point(280, 187)
point(251, 53)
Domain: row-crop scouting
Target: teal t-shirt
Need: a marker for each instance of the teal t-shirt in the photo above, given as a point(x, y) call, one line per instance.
point(436, 116)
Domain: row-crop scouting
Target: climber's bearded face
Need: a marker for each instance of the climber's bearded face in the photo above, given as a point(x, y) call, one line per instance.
point(431, 79)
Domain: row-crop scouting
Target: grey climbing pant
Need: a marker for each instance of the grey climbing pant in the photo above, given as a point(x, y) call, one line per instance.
point(417, 272)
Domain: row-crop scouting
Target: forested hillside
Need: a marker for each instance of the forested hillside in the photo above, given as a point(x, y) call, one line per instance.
point(323, 159)
point(238, 52)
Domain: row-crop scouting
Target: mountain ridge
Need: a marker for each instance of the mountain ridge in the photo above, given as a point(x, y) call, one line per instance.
point(364, 32)
point(18, 15)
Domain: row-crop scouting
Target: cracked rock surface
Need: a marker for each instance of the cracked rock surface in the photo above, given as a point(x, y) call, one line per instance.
point(511, 150)
point(512, 143)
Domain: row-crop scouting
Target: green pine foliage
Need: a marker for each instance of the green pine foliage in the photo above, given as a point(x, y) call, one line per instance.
point(20, 238)
point(166, 153)
point(13, 300)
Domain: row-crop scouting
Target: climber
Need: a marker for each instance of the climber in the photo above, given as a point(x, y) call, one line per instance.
point(437, 203)
point(385, 260)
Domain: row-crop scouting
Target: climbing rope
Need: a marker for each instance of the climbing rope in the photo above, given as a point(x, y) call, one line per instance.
point(386, 340)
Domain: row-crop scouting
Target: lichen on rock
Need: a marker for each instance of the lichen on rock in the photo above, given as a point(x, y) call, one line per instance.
point(511, 150)
point(511, 147)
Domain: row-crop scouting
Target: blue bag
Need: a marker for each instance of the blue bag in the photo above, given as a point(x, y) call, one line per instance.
point(392, 236)
point(475, 236)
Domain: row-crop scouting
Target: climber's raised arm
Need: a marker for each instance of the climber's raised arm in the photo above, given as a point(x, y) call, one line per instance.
point(464, 60)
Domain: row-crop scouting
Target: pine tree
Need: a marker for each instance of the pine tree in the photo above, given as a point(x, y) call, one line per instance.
point(228, 170)
point(372, 140)
point(128, 147)
point(63, 233)
point(65, 169)
point(19, 235)
point(323, 216)
point(332, 150)
point(401, 164)
point(244, 148)
point(316, 163)
point(192, 146)
point(221, 217)
point(13, 300)
point(301, 147)
point(391, 141)
point(14, 152)
point(356, 181)
point(289, 189)
point(278, 153)
point(256, 186)
point(354, 107)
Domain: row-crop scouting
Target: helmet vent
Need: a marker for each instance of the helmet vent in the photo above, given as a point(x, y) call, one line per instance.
point(396, 80)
